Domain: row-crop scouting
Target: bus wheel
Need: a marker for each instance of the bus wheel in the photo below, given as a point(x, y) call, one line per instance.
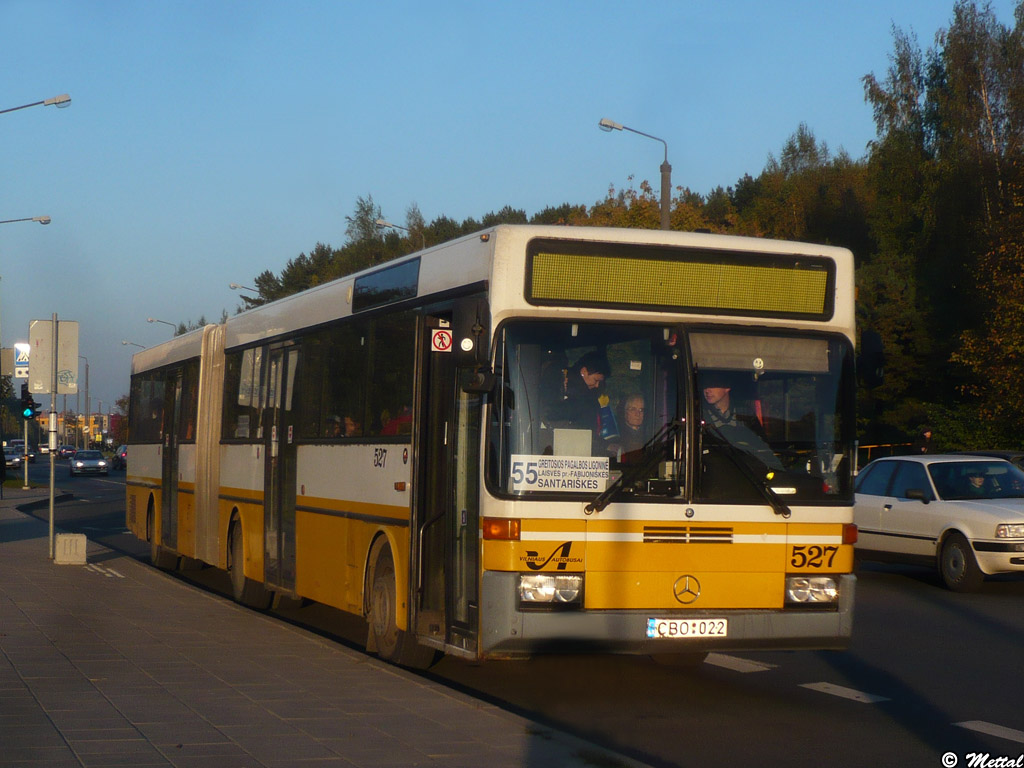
point(957, 566)
point(391, 643)
point(244, 590)
point(158, 556)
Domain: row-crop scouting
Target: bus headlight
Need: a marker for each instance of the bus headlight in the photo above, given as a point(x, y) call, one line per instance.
point(811, 589)
point(550, 588)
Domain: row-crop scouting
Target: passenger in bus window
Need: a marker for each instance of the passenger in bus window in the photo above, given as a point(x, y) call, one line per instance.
point(352, 427)
point(400, 424)
point(740, 430)
point(570, 394)
point(334, 428)
point(632, 429)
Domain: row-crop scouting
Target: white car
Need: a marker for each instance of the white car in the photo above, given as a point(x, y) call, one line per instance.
point(961, 513)
point(88, 463)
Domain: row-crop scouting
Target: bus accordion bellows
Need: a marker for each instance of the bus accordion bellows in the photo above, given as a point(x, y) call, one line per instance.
point(531, 439)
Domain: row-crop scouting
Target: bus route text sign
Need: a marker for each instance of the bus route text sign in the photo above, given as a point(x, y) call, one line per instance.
point(559, 473)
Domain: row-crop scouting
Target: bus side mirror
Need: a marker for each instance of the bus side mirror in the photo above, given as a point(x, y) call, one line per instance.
point(481, 383)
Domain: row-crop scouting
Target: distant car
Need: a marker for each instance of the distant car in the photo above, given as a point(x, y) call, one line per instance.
point(66, 451)
point(963, 514)
point(88, 463)
point(12, 457)
point(120, 458)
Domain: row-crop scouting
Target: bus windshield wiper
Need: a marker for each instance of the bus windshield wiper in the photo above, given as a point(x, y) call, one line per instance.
point(738, 459)
point(652, 453)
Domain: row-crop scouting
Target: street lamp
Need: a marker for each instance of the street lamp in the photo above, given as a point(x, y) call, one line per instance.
point(237, 287)
point(132, 343)
point(44, 220)
point(58, 101)
point(385, 223)
point(155, 320)
point(666, 170)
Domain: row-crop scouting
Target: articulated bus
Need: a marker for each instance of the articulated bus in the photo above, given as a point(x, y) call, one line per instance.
point(532, 439)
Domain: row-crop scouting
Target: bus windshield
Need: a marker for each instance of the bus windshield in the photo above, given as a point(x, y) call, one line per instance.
point(586, 408)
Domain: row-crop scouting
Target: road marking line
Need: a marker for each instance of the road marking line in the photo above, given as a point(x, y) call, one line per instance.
point(108, 572)
point(737, 664)
point(993, 730)
point(846, 693)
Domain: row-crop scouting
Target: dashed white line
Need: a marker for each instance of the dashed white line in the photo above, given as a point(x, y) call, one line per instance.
point(993, 730)
point(737, 664)
point(108, 572)
point(846, 693)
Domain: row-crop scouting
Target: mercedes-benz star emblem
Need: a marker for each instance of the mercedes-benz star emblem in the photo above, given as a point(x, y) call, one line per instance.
point(686, 589)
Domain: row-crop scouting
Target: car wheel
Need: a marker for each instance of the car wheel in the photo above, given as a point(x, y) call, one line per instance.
point(957, 565)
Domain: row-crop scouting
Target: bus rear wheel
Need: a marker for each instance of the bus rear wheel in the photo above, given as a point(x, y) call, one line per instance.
point(158, 556)
point(244, 590)
point(391, 643)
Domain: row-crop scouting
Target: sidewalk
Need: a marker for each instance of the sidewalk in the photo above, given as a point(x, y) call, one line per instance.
point(117, 664)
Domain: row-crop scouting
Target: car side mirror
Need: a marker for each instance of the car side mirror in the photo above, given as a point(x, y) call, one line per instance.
point(917, 493)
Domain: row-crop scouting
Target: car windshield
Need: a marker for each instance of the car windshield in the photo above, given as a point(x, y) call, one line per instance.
point(965, 480)
point(88, 455)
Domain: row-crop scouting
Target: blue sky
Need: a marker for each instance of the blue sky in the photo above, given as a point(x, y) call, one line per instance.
point(210, 140)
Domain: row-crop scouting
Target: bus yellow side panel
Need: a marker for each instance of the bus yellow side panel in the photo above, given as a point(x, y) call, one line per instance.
point(187, 519)
point(136, 500)
point(331, 556)
point(323, 573)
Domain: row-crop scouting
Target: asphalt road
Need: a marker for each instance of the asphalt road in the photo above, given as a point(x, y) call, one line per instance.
point(929, 672)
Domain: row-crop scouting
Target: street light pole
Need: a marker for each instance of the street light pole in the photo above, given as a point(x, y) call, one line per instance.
point(154, 320)
point(666, 170)
point(57, 101)
point(385, 223)
point(44, 220)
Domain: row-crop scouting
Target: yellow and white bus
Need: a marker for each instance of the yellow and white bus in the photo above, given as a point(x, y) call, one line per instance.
point(531, 439)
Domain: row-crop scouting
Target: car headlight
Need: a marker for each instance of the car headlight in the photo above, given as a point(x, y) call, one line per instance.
point(103, 463)
point(1010, 531)
point(550, 588)
point(811, 589)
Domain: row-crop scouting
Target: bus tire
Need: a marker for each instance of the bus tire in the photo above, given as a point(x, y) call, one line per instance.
point(244, 590)
point(389, 642)
point(958, 567)
point(158, 556)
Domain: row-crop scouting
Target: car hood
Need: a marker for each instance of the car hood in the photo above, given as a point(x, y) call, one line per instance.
point(1003, 510)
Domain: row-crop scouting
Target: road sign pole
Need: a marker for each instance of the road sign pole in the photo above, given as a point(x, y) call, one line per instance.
point(52, 425)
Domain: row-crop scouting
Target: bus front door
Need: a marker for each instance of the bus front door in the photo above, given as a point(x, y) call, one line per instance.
point(446, 541)
point(279, 477)
point(169, 462)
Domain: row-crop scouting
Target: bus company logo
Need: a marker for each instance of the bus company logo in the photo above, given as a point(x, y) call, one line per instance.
point(686, 589)
point(560, 555)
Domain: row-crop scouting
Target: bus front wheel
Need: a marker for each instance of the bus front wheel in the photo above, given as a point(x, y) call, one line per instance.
point(391, 643)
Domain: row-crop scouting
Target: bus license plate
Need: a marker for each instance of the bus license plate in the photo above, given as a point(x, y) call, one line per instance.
point(681, 628)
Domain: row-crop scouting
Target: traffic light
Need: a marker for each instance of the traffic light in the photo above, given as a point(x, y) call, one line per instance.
point(29, 408)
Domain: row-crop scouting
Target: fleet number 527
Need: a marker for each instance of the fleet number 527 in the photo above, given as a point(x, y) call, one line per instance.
point(814, 556)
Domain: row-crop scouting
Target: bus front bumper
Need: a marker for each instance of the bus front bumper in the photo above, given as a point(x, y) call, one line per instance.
point(506, 631)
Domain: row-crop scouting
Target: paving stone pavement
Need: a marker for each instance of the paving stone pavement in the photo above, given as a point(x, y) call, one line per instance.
point(116, 664)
